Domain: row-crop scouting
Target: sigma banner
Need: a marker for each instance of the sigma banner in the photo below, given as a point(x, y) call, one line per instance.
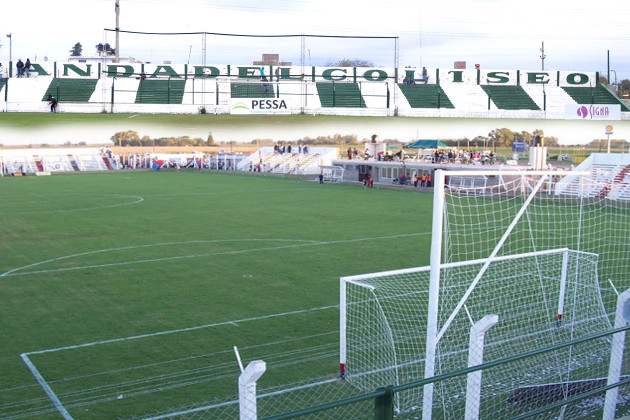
point(592, 112)
point(246, 106)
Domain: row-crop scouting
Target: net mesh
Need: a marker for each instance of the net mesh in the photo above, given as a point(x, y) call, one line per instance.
point(515, 247)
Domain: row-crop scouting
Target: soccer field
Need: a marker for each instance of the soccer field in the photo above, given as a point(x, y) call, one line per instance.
point(124, 293)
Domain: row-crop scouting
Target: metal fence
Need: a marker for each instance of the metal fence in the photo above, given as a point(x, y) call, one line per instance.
point(583, 400)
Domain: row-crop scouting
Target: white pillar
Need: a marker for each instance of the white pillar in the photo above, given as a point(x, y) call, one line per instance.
point(434, 292)
point(247, 389)
point(475, 358)
point(622, 316)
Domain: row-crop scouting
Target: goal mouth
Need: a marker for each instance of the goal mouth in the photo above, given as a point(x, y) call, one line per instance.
point(386, 327)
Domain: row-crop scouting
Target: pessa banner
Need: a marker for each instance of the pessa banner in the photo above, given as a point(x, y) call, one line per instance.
point(259, 106)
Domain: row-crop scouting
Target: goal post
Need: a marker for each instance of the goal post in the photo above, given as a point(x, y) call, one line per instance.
point(520, 245)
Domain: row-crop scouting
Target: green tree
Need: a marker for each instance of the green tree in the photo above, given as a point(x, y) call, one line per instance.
point(523, 136)
point(551, 141)
point(350, 62)
point(501, 137)
point(624, 89)
point(478, 141)
point(76, 50)
point(125, 138)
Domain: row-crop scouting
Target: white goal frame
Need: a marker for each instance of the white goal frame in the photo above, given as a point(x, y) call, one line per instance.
point(433, 335)
point(377, 313)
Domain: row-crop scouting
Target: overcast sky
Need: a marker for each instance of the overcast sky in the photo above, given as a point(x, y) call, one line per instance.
point(497, 34)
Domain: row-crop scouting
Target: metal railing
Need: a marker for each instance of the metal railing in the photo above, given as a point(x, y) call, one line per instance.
point(383, 398)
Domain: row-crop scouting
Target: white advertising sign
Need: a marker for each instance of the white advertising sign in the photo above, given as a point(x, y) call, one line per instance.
point(592, 112)
point(246, 106)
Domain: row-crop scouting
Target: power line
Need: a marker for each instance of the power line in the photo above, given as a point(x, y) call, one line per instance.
point(256, 35)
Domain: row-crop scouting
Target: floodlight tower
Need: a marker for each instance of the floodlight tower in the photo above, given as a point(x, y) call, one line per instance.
point(10, 47)
point(117, 54)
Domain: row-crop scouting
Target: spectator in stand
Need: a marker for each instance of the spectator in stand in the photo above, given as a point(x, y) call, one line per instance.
point(27, 67)
point(265, 84)
point(20, 67)
point(425, 77)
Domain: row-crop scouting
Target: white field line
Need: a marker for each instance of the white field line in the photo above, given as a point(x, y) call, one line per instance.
point(44, 384)
point(232, 322)
point(125, 248)
point(15, 271)
point(51, 395)
point(137, 200)
point(179, 330)
point(57, 403)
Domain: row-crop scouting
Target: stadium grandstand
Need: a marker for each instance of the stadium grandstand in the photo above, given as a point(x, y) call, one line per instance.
point(243, 89)
point(611, 170)
point(546, 207)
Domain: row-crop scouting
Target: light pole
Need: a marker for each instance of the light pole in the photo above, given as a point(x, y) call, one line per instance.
point(117, 53)
point(10, 48)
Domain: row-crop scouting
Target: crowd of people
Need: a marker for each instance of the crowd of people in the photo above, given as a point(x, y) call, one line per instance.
point(23, 68)
point(463, 157)
point(281, 148)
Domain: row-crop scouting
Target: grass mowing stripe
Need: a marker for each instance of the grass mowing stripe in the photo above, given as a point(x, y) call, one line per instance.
point(153, 260)
point(272, 296)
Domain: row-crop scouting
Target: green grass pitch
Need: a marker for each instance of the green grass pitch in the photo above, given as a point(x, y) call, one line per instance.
point(127, 291)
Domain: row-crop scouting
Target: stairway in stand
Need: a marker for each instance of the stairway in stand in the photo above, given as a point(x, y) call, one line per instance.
point(620, 176)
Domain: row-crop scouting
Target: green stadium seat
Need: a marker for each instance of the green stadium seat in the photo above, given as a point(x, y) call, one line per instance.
point(251, 90)
point(161, 91)
point(340, 95)
point(510, 97)
point(71, 90)
point(425, 96)
point(595, 95)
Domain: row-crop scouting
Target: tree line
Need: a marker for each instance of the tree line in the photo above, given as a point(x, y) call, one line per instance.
point(500, 137)
point(132, 138)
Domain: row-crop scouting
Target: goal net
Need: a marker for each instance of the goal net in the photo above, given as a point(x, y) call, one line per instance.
point(513, 246)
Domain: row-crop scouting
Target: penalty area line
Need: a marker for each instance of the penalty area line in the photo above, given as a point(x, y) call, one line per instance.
point(57, 403)
point(180, 330)
point(47, 389)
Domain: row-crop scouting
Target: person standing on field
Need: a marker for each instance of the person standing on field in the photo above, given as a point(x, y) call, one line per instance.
point(53, 103)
